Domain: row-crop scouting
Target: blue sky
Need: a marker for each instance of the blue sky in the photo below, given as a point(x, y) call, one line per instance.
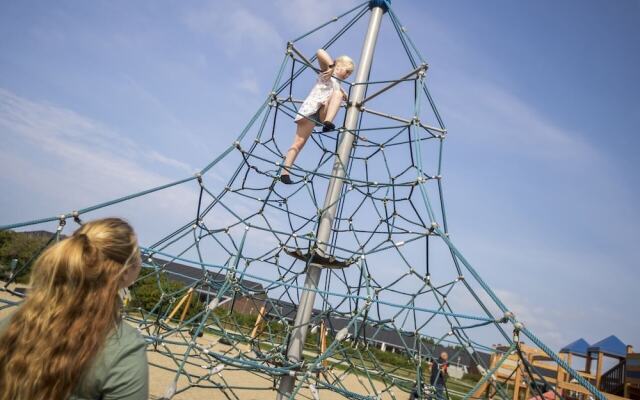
point(541, 101)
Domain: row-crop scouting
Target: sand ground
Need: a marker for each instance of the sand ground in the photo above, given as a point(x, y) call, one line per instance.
point(256, 386)
point(231, 383)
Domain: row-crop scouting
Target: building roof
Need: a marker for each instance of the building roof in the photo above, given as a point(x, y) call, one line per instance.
point(578, 347)
point(378, 333)
point(279, 308)
point(611, 346)
point(187, 275)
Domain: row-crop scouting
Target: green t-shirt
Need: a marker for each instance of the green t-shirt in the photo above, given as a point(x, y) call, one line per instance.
point(119, 372)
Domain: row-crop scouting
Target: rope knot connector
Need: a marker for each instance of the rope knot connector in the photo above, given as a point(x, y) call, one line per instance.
point(62, 221)
point(76, 217)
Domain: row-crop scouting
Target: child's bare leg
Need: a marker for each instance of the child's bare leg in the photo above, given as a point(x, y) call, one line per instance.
point(303, 131)
point(330, 109)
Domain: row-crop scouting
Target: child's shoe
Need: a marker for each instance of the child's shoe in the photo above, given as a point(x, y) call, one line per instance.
point(286, 179)
point(328, 126)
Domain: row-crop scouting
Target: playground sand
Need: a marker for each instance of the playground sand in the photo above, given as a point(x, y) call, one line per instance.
point(258, 386)
point(162, 368)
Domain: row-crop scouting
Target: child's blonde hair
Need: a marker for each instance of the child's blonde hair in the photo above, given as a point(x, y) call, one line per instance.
point(345, 62)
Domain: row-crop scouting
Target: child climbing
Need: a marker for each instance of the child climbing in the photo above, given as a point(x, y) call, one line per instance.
point(320, 106)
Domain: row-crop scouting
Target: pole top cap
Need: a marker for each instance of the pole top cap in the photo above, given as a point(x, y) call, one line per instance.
point(384, 4)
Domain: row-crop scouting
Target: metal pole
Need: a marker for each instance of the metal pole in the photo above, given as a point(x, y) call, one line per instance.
point(301, 324)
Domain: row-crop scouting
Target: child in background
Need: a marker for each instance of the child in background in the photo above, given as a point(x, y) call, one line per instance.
point(320, 106)
point(439, 376)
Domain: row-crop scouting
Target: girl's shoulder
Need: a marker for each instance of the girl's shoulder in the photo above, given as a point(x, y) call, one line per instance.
point(126, 336)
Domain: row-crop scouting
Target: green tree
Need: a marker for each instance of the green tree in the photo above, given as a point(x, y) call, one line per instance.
point(23, 247)
point(147, 292)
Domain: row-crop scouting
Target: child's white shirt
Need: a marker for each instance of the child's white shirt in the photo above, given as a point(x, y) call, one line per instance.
point(320, 93)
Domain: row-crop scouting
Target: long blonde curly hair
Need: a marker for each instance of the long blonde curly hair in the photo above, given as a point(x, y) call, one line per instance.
point(71, 307)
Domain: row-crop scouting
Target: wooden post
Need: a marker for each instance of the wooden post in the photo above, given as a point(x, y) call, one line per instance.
point(562, 374)
point(323, 341)
point(187, 304)
point(481, 392)
point(626, 390)
point(517, 381)
point(180, 303)
point(261, 314)
point(527, 392)
point(632, 375)
point(599, 370)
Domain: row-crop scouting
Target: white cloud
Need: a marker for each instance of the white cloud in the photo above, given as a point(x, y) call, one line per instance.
point(551, 286)
point(540, 320)
point(155, 156)
point(535, 317)
point(235, 28)
point(77, 139)
point(249, 82)
point(68, 161)
point(483, 111)
point(477, 108)
point(165, 112)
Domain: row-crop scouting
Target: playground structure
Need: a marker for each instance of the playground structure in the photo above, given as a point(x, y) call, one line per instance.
point(632, 376)
point(374, 253)
point(620, 381)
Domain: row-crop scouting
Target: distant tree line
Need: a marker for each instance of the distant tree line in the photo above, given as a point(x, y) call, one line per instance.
point(18, 250)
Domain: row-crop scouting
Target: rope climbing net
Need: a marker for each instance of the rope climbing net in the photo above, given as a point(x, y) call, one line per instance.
point(394, 290)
